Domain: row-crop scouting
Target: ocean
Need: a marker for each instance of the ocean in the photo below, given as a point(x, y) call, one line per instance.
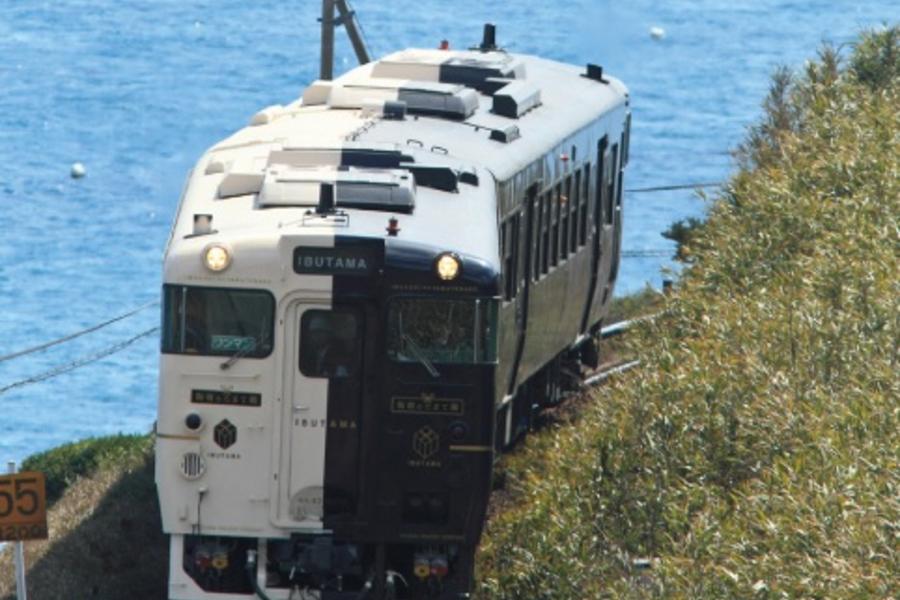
point(137, 90)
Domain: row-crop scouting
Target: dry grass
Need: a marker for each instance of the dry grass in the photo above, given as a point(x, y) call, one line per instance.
point(756, 453)
point(106, 540)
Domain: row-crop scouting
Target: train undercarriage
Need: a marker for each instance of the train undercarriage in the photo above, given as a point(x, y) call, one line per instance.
point(319, 566)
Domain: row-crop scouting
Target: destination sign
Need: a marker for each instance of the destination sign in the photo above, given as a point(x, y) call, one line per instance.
point(23, 507)
point(225, 398)
point(427, 405)
point(351, 260)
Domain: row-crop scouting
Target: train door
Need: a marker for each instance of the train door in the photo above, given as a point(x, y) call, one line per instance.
point(522, 274)
point(617, 220)
point(322, 416)
point(599, 197)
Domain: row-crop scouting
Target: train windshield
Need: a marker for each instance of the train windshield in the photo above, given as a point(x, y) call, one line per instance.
point(217, 321)
point(442, 331)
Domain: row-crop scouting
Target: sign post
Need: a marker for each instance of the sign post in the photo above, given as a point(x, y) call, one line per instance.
point(23, 515)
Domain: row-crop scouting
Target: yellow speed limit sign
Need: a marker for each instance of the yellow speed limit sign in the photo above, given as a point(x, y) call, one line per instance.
point(23, 507)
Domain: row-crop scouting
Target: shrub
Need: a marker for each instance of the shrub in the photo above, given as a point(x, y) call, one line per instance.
point(64, 464)
point(755, 453)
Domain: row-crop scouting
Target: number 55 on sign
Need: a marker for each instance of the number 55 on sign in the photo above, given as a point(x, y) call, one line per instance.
point(23, 507)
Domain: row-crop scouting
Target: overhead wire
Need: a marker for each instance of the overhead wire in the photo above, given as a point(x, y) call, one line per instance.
point(79, 362)
point(669, 188)
point(77, 334)
point(362, 32)
point(87, 359)
point(645, 253)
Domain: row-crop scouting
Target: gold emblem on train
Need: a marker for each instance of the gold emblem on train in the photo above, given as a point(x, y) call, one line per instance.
point(425, 443)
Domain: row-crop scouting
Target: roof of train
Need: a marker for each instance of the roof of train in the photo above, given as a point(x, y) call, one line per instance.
point(460, 105)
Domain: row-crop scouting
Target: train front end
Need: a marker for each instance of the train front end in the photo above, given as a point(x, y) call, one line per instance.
point(326, 408)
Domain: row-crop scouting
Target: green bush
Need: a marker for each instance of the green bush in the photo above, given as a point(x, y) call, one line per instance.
point(876, 59)
point(756, 453)
point(66, 463)
point(682, 232)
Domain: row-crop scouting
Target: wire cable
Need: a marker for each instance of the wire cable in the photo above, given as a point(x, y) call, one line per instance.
point(648, 253)
point(79, 362)
point(77, 334)
point(362, 32)
point(669, 188)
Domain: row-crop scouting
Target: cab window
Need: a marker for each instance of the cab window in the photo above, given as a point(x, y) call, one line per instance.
point(330, 342)
point(462, 331)
point(217, 321)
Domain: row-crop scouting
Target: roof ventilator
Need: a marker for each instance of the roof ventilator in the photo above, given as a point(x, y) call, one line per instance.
point(443, 179)
point(371, 158)
point(506, 135)
point(391, 110)
point(469, 177)
point(394, 110)
point(330, 189)
point(476, 71)
point(421, 98)
point(515, 99)
point(459, 104)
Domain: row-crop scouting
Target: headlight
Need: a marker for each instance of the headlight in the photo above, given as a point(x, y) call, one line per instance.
point(216, 258)
point(447, 267)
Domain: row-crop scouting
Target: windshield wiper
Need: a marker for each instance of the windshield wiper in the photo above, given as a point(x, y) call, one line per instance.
point(417, 352)
point(257, 342)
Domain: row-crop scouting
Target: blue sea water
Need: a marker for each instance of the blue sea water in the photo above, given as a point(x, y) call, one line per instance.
point(137, 90)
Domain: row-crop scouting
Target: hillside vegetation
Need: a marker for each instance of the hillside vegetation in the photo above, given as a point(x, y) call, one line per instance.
point(756, 452)
point(754, 455)
point(106, 536)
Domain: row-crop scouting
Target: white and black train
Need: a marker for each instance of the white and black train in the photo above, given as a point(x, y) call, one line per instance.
point(367, 293)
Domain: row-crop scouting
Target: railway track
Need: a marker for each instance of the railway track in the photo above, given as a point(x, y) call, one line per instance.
point(603, 373)
point(574, 394)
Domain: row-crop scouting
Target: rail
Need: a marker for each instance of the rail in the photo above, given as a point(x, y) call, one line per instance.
point(613, 330)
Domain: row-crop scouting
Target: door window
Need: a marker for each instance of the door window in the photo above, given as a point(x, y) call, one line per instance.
point(330, 341)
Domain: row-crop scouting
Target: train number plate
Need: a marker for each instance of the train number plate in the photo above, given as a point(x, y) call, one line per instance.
point(23, 507)
point(427, 405)
point(226, 398)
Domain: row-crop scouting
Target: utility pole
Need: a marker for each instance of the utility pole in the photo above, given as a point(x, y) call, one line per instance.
point(326, 69)
point(329, 24)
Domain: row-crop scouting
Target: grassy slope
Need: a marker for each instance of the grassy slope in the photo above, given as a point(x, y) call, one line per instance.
point(104, 517)
point(107, 541)
point(756, 453)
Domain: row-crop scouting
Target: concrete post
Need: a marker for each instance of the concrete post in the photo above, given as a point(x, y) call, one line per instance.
point(21, 591)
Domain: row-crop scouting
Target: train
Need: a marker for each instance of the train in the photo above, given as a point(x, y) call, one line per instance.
point(367, 295)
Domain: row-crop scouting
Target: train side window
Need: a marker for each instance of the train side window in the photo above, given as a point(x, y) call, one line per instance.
point(585, 201)
point(536, 239)
point(545, 235)
point(510, 237)
point(611, 191)
point(626, 141)
point(623, 160)
point(504, 249)
point(329, 343)
point(575, 207)
point(564, 210)
point(554, 216)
